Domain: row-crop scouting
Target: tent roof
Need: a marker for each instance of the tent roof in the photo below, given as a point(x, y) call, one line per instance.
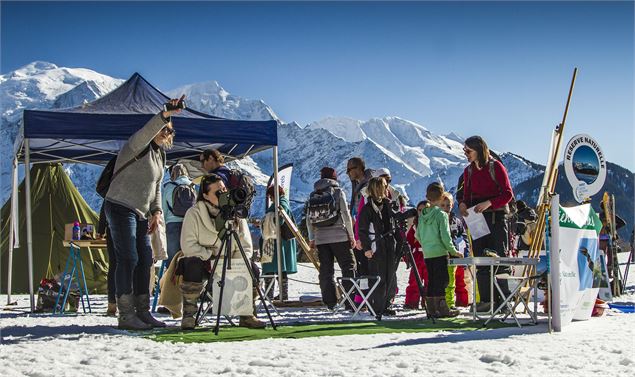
point(94, 132)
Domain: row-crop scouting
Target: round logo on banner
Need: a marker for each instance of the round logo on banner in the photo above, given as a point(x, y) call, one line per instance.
point(585, 166)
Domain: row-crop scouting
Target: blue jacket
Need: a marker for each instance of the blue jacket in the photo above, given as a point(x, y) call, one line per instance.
point(168, 189)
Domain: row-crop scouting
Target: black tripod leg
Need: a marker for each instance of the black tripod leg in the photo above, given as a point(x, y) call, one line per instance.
point(228, 245)
point(253, 278)
point(208, 286)
point(419, 283)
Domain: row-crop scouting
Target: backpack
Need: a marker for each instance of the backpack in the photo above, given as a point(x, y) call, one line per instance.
point(108, 174)
point(242, 187)
point(323, 207)
point(530, 227)
point(183, 198)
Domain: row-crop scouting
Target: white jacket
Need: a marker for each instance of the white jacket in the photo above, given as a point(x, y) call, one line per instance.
point(199, 237)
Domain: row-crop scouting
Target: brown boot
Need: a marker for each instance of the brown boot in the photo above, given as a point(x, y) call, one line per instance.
point(190, 292)
point(112, 309)
point(142, 307)
point(251, 322)
point(444, 311)
point(128, 319)
point(431, 307)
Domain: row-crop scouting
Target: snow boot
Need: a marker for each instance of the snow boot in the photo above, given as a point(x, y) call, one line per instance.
point(431, 307)
point(112, 309)
point(443, 309)
point(142, 306)
point(128, 319)
point(251, 322)
point(190, 292)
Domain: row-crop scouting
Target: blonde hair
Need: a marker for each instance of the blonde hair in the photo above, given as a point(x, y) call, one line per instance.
point(448, 196)
point(377, 188)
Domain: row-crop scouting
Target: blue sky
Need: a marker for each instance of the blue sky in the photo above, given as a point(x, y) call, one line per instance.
point(498, 69)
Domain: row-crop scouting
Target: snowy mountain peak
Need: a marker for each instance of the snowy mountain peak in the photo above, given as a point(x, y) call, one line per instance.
point(345, 128)
point(211, 98)
point(38, 84)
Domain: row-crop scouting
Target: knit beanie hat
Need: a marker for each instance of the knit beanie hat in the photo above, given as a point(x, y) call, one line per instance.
point(328, 172)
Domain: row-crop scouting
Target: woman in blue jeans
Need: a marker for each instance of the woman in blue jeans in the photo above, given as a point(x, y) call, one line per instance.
point(133, 210)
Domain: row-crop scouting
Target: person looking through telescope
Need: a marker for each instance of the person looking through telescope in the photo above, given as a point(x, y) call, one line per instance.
point(201, 240)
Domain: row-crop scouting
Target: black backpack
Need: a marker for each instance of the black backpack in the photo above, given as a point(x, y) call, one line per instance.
point(183, 198)
point(323, 207)
point(242, 186)
point(108, 174)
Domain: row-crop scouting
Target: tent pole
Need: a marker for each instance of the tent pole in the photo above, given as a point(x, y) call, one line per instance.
point(29, 231)
point(277, 214)
point(12, 225)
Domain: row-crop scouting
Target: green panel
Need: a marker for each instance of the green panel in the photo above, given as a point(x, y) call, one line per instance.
point(233, 334)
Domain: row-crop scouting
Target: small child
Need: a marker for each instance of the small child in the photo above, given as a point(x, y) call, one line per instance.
point(456, 283)
point(433, 233)
point(412, 291)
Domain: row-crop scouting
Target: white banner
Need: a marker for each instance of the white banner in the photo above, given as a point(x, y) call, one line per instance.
point(237, 294)
point(576, 268)
point(284, 180)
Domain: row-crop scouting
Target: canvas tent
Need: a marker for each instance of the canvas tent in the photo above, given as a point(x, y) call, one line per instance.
point(56, 203)
point(95, 132)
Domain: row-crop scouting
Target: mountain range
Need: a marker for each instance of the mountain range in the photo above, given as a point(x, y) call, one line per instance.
point(414, 155)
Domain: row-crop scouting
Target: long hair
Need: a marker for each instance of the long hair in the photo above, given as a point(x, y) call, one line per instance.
point(480, 146)
point(206, 182)
point(377, 188)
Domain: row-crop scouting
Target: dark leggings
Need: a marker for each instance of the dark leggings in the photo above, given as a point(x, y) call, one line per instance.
point(497, 241)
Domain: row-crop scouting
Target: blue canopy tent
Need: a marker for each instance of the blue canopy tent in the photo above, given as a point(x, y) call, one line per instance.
point(94, 132)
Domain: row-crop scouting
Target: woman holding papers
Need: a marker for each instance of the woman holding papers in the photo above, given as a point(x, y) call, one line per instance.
point(487, 190)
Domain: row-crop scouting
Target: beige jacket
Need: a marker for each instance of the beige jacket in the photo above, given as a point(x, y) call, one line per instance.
point(199, 237)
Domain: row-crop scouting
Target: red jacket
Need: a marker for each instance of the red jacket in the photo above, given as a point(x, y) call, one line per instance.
point(480, 186)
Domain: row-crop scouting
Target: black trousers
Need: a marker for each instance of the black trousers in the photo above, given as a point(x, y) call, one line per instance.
point(381, 264)
point(498, 242)
point(343, 254)
point(438, 277)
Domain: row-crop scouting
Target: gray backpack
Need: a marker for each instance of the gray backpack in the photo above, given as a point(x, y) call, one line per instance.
point(323, 207)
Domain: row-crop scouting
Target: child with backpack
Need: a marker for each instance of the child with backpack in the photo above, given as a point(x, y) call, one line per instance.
point(433, 233)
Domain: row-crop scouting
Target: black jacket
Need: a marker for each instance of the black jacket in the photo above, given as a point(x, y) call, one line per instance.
point(383, 227)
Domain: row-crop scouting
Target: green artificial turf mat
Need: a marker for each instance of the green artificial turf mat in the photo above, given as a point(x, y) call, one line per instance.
point(232, 334)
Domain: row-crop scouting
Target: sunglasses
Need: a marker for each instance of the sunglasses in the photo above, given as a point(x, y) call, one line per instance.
point(168, 131)
point(466, 150)
point(348, 170)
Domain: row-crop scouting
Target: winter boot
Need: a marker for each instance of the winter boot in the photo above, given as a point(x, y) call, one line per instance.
point(190, 292)
point(431, 307)
point(112, 309)
point(142, 306)
point(444, 311)
point(251, 322)
point(128, 319)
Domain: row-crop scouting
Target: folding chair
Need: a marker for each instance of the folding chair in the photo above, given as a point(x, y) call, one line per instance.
point(356, 289)
point(268, 288)
point(157, 286)
point(522, 293)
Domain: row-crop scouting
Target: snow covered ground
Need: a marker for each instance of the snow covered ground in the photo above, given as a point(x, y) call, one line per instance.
point(90, 345)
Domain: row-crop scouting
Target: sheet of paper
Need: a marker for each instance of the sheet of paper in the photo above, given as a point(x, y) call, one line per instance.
point(476, 223)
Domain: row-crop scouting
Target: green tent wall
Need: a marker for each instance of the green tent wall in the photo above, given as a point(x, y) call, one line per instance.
point(55, 202)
